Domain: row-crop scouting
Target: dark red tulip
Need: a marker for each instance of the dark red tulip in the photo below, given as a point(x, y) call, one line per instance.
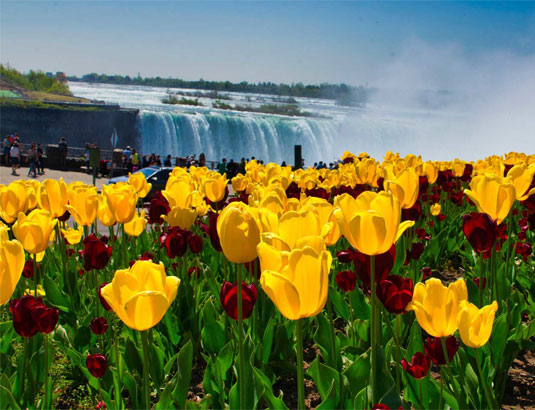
point(211, 231)
point(480, 282)
point(413, 213)
point(195, 244)
point(97, 365)
point(46, 318)
point(81, 272)
point(523, 249)
point(433, 348)
point(418, 367)
point(522, 236)
point(175, 242)
point(65, 217)
point(158, 207)
point(346, 256)
point(99, 325)
point(194, 269)
point(395, 292)
point(381, 406)
point(229, 299)
point(422, 234)
point(28, 270)
point(105, 239)
point(426, 273)
point(346, 280)
point(147, 256)
point(317, 192)
point(383, 265)
point(96, 253)
point(529, 203)
point(441, 217)
point(103, 302)
point(423, 185)
point(293, 190)
point(22, 312)
point(417, 250)
point(480, 230)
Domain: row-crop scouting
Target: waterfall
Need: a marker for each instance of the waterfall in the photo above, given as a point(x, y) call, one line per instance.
point(232, 135)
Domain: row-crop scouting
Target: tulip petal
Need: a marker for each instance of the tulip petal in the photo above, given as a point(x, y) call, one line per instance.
point(282, 293)
point(146, 309)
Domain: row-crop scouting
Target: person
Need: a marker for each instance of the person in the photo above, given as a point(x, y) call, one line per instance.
point(86, 156)
point(128, 151)
point(232, 169)
point(202, 160)
point(283, 164)
point(7, 147)
point(222, 167)
point(32, 159)
point(144, 162)
point(241, 167)
point(158, 161)
point(40, 160)
point(167, 162)
point(14, 153)
point(94, 160)
point(135, 160)
point(63, 153)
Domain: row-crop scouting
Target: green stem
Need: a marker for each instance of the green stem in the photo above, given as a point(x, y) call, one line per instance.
point(448, 369)
point(146, 361)
point(442, 380)
point(334, 357)
point(47, 378)
point(398, 360)
point(21, 372)
point(300, 370)
point(118, 374)
point(241, 374)
point(373, 330)
point(488, 395)
point(421, 394)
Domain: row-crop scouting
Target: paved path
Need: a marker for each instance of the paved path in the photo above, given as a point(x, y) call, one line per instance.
point(68, 176)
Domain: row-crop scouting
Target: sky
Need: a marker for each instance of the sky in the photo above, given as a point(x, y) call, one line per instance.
point(280, 41)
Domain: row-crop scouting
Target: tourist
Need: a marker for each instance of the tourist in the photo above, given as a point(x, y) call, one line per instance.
point(135, 160)
point(283, 164)
point(86, 156)
point(40, 160)
point(158, 161)
point(32, 159)
point(63, 152)
point(167, 162)
point(232, 169)
point(222, 167)
point(241, 167)
point(202, 160)
point(7, 147)
point(14, 153)
point(144, 162)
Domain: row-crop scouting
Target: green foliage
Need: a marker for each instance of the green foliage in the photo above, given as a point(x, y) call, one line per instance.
point(171, 99)
point(16, 103)
point(34, 80)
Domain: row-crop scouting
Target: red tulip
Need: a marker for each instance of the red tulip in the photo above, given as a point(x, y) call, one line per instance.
point(480, 230)
point(22, 312)
point(97, 364)
point(194, 269)
point(419, 365)
point(422, 234)
point(99, 325)
point(195, 244)
point(28, 270)
point(480, 282)
point(346, 256)
point(158, 207)
point(317, 192)
point(211, 231)
point(413, 213)
point(395, 292)
point(433, 348)
point(65, 217)
point(346, 280)
point(96, 253)
point(293, 190)
point(383, 265)
point(524, 250)
point(46, 318)
point(175, 241)
point(426, 273)
point(229, 299)
point(416, 250)
point(103, 302)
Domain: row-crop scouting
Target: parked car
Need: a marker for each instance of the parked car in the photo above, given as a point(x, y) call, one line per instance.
point(157, 176)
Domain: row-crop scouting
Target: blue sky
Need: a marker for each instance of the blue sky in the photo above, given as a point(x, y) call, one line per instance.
point(252, 40)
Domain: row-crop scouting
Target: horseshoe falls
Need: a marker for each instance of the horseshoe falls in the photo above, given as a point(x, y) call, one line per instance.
point(228, 135)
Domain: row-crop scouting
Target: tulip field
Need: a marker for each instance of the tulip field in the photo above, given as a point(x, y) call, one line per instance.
point(396, 283)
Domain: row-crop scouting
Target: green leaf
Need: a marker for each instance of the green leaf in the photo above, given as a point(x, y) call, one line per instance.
point(331, 401)
point(267, 340)
point(498, 339)
point(132, 387)
point(213, 333)
point(264, 385)
point(185, 365)
point(166, 398)
point(224, 360)
point(340, 305)
point(324, 376)
point(157, 358)
point(358, 374)
point(5, 393)
point(54, 295)
point(132, 356)
point(360, 306)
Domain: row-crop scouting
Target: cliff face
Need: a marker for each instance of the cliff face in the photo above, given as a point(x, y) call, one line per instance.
point(46, 126)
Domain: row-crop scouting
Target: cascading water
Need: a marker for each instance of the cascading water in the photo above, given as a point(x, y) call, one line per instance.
point(229, 135)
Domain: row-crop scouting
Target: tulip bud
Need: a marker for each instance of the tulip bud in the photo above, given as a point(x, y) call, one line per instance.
point(158, 206)
point(229, 299)
point(28, 270)
point(195, 244)
point(346, 280)
point(480, 230)
point(346, 256)
point(46, 318)
point(175, 242)
point(418, 367)
point(433, 348)
point(103, 302)
point(481, 283)
point(96, 253)
point(395, 293)
point(383, 265)
point(99, 325)
point(97, 365)
point(22, 312)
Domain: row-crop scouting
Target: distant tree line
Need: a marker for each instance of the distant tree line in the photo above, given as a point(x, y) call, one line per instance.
point(343, 93)
point(34, 80)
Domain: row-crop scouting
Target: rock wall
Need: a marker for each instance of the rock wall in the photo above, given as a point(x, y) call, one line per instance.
point(46, 126)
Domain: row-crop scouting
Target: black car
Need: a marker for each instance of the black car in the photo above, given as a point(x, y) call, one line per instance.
point(157, 176)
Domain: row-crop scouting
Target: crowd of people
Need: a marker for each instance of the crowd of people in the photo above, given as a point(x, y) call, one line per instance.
point(13, 156)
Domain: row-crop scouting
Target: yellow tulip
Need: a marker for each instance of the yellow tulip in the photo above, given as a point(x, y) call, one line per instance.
point(521, 176)
point(11, 265)
point(104, 214)
point(83, 204)
point(34, 231)
point(492, 195)
point(178, 191)
point(371, 223)
point(238, 232)
point(73, 236)
point(13, 199)
point(430, 170)
point(32, 187)
point(52, 197)
point(39, 294)
point(136, 225)
point(298, 281)
point(435, 209)
point(436, 306)
point(141, 295)
point(294, 225)
point(122, 200)
point(458, 167)
point(239, 183)
point(325, 211)
point(405, 186)
point(215, 186)
point(183, 218)
point(139, 183)
point(475, 325)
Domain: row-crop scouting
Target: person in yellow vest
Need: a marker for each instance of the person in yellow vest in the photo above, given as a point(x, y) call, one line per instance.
point(135, 160)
